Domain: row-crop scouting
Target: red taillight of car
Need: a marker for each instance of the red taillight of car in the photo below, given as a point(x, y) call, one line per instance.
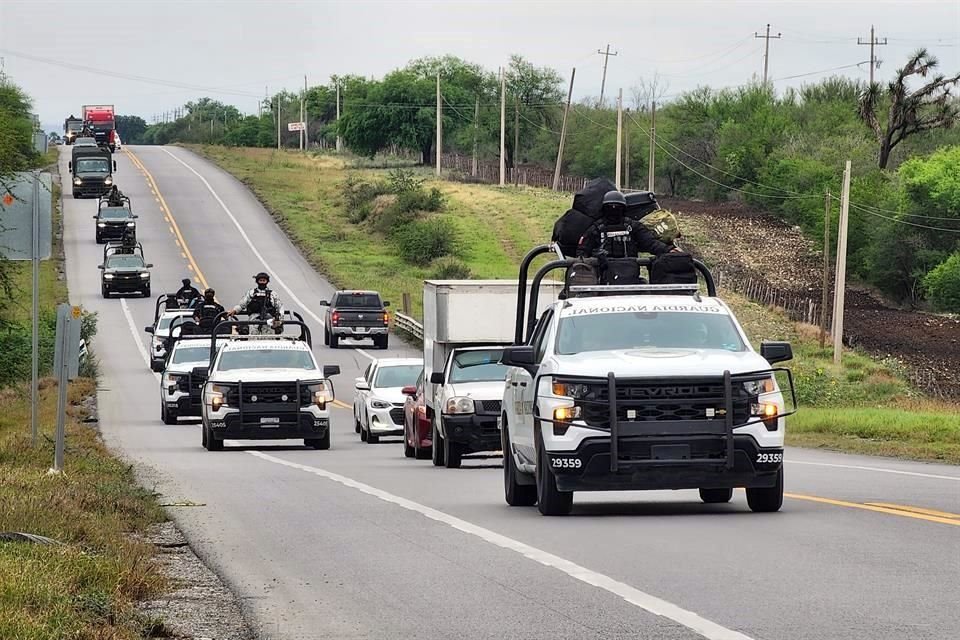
point(335, 317)
point(386, 318)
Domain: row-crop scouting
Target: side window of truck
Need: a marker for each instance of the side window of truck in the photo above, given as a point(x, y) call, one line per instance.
point(367, 372)
point(538, 339)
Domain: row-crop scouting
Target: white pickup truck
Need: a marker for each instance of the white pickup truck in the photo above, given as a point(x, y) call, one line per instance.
point(642, 387)
point(265, 387)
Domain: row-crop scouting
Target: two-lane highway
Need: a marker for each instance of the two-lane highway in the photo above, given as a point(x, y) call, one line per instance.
point(359, 542)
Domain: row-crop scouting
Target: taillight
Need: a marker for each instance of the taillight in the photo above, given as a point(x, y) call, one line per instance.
point(386, 318)
point(335, 317)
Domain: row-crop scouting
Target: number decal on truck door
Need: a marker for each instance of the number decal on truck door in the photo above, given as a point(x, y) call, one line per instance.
point(566, 463)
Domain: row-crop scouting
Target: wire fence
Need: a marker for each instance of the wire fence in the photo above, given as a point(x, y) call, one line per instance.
point(461, 169)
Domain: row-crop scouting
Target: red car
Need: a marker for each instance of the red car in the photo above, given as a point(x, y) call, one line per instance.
point(417, 431)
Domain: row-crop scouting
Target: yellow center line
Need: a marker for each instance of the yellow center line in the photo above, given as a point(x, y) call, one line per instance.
point(173, 221)
point(903, 512)
point(906, 507)
point(342, 405)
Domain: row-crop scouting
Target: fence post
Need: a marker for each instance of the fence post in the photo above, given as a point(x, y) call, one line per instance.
point(405, 303)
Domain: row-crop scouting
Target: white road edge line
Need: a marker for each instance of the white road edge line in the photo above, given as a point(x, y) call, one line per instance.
point(877, 469)
point(136, 336)
point(250, 244)
point(641, 599)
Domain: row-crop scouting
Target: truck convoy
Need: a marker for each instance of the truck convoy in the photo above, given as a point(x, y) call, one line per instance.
point(461, 361)
point(72, 127)
point(99, 119)
point(92, 170)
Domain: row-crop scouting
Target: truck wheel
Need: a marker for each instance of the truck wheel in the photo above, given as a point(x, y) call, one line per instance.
point(436, 453)
point(210, 443)
point(516, 494)
point(550, 500)
point(382, 343)
point(767, 500)
point(104, 292)
point(452, 454)
point(408, 450)
point(99, 239)
point(334, 341)
point(75, 195)
point(356, 424)
point(326, 338)
point(716, 496)
point(169, 417)
point(363, 434)
point(146, 292)
point(319, 443)
point(372, 439)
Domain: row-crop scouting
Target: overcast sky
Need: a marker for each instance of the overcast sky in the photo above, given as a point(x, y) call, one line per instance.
point(233, 50)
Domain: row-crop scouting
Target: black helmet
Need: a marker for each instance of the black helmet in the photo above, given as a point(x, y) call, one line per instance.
point(612, 198)
point(209, 293)
point(262, 275)
point(614, 206)
point(186, 282)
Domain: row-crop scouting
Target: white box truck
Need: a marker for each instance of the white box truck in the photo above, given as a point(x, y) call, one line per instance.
point(466, 324)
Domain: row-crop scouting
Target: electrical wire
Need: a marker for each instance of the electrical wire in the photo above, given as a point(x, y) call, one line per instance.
point(898, 221)
point(813, 73)
point(537, 124)
point(921, 216)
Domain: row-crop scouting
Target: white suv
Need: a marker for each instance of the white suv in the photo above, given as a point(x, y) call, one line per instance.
point(181, 384)
point(378, 400)
point(633, 392)
point(267, 388)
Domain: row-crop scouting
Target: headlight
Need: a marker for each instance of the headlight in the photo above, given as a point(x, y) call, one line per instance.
point(380, 404)
point(320, 394)
point(108, 276)
point(77, 181)
point(768, 411)
point(145, 274)
point(131, 224)
point(459, 405)
point(216, 396)
point(567, 390)
point(170, 381)
point(760, 387)
point(101, 224)
point(108, 181)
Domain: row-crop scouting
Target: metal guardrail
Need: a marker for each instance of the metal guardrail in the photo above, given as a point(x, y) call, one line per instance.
point(409, 325)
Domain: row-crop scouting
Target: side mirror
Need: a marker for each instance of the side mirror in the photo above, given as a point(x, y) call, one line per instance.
point(386, 303)
point(324, 303)
point(70, 166)
point(149, 265)
point(331, 370)
point(362, 386)
point(774, 352)
point(94, 217)
point(148, 329)
point(436, 377)
point(519, 356)
point(409, 391)
point(134, 216)
point(114, 165)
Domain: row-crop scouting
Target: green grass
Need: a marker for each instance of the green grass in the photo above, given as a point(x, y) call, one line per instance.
point(498, 225)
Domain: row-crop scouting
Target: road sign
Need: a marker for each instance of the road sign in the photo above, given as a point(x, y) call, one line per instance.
point(68, 344)
point(296, 126)
point(16, 211)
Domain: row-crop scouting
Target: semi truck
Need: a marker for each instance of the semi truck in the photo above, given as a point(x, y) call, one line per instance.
point(466, 325)
point(99, 118)
point(72, 127)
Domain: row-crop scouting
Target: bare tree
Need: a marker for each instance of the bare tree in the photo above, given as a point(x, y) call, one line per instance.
point(646, 91)
point(928, 107)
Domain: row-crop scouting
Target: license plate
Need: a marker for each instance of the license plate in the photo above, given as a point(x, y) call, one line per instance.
point(269, 421)
point(361, 329)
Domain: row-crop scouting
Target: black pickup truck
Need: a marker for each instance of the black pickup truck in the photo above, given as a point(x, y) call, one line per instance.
point(356, 314)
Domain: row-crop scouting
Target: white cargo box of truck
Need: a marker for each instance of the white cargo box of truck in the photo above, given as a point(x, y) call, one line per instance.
point(458, 313)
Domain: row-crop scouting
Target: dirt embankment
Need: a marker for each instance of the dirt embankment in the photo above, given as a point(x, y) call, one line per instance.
point(753, 245)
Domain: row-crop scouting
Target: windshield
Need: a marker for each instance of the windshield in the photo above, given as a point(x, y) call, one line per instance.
point(164, 322)
point(647, 330)
point(397, 376)
point(266, 358)
point(74, 126)
point(359, 300)
point(92, 165)
point(124, 262)
point(114, 213)
point(191, 353)
point(478, 366)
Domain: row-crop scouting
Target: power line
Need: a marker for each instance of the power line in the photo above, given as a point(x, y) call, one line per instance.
point(766, 50)
point(898, 221)
point(873, 42)
point(813, 73)
point(910, 215)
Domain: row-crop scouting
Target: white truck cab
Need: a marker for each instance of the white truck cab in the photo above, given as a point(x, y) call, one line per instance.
point(266, 387)
point(651, 387)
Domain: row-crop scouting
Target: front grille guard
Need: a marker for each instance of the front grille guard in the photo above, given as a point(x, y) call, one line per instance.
point(244, 410)
point(727, 462)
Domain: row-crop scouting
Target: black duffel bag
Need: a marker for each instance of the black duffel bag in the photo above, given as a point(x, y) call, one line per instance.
point(673, 268)
point(621, 271)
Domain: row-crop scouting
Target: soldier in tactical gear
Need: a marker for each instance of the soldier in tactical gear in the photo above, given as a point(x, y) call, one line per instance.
point(187, 293)
point(616, 236)
point(115, 197)
point(260, 302)
point(207, 311)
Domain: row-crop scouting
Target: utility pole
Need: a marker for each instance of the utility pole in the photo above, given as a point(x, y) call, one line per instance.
point(516, 137)
point(439, 125)
point(874, 41)
point(303, 115)
point(825, 299)
point(606, 58)
point(619, 162)
point(338, 115)
point(476, 138)
point(651, 174)
point(503, 127)
point(563, 133)
point(766, 51)
point(278, 122)
point(841, 280)
point(626, 154)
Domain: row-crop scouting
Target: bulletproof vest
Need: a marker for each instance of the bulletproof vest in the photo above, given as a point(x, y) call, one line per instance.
point(261, 300)
point(617, 240)
point(207, 312)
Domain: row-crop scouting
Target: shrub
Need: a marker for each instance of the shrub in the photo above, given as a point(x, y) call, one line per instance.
point(421, 242)
point(450, 268)
point(943, 284)
point(420, 200)
point(358, 194)
point(401, 181)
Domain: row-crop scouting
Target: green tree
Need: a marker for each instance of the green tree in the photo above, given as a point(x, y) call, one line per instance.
point(943, 284)
point(131, 128)
point(928, 107)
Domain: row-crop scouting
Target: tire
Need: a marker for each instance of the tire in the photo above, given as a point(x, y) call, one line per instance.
point(321, 444)
point(436, 452)
point(422, 454)
point(210, 443)
point(146, 292)
point(334, 341)
point(372, 439)
point(716, 496)
point(452, 454)
point(408, 450)
point(363, 434)
point(168, 417)
point(104, 292)
point(99, 239)
point(356, 424)
point(516, 494)
point(767, 500)
point(326, 338)
point(550, 500)
point(382, 343)
point(75, 196)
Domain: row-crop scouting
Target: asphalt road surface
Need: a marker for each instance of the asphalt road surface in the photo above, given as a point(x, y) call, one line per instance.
point(359, 542)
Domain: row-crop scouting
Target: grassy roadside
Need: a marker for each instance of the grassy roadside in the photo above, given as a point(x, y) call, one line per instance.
point(87, 586)
point(862, 406)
